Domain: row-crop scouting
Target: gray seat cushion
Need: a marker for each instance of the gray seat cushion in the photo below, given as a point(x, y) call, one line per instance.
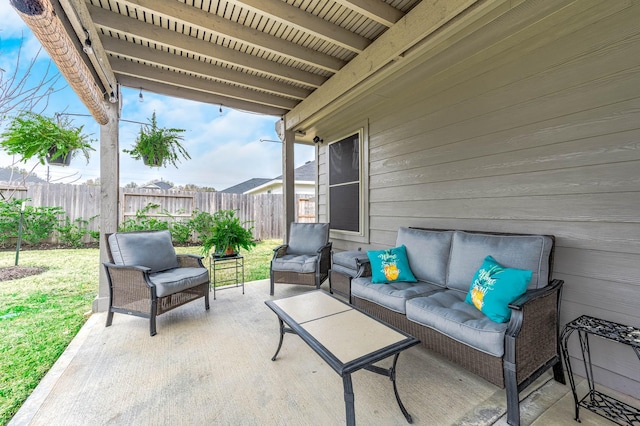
point(428, 253)
point(151, 249)
point(178, 279)
point(393, 295)
point(307, 238)
point(447, 312)
point(468, 251)
point(300, 263)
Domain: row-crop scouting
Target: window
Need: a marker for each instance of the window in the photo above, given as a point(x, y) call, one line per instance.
point(345, 189)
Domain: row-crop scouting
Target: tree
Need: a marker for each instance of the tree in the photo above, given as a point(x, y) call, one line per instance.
point(27, 90)
point(131, 185)
point(19, 91)
point(93, 182)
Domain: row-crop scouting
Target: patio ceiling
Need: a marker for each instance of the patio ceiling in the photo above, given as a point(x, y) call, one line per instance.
point(262, 56)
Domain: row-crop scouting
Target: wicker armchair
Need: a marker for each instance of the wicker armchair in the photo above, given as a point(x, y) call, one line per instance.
point(306, 259)
point(147, 278)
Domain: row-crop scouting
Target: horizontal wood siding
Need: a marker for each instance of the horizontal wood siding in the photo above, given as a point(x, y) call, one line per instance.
point(528, 124)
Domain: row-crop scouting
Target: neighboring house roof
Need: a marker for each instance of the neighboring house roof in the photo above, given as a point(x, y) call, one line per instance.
point(245, 186)
point(159, 184)
point(304, 173)
point(5, 176)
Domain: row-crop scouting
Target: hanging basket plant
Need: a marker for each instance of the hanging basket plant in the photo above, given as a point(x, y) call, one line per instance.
point(32, 135)
point(157, 146)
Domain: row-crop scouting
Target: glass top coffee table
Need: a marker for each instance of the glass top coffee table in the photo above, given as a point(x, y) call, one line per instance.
point(345, 338)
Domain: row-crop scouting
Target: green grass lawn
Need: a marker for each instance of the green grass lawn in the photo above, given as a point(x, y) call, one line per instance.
point(40, 314)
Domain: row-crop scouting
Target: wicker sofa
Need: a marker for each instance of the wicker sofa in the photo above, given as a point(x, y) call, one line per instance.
point(511, 354)
point(147, 278)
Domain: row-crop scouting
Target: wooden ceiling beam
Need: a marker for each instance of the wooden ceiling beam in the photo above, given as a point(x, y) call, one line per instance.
point(384, 53)
point(146, 72)
point(376, 10)
point(199, 19)
point(197, 96)
point(135, 28)
point(306, 22)
point(150, 55)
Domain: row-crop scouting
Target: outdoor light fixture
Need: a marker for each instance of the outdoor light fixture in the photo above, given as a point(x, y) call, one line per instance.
point(140, 97)
point(87, 44)
point(316, 139)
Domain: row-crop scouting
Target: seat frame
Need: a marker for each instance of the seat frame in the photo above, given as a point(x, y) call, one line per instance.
point(316, 278)
point(131, 291)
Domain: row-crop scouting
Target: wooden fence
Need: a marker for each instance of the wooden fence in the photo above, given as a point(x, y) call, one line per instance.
point(83, 201)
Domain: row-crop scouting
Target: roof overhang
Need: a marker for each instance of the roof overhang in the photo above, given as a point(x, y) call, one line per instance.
point(291, 59)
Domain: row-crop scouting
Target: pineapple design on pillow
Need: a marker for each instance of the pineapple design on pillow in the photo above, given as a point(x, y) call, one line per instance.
point(389, 265)
point(482, 285)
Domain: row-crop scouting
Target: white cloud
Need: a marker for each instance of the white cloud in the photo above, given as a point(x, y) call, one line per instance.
point(12, 25)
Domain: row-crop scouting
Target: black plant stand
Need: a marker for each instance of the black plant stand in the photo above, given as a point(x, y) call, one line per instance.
point(217, 264)
point(601, 404)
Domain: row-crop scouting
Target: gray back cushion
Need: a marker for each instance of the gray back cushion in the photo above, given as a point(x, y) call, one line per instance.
point(468, 251)
point(428, 253)
point(307, 238)
point(151, 249)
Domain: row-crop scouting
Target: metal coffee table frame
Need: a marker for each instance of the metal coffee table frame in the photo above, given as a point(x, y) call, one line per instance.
point(345, 369)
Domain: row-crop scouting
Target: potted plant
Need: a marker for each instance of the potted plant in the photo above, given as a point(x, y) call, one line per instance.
point(158, 146)
point(56, 141)
point(227, 235)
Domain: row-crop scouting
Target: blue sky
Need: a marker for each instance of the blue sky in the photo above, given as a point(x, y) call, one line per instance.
point(225, 147)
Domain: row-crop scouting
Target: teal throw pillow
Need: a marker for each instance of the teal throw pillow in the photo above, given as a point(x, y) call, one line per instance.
point(495, 286)
point(390, 265)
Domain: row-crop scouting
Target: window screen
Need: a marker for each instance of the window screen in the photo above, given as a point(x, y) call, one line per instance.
point(344, 184)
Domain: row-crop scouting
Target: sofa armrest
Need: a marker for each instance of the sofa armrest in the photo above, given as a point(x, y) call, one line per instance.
point(280, 251)
point(531, 339)
point(364, 268)
point(190, 261)
point(132, 269)
point(132, 279)
point(324, 258)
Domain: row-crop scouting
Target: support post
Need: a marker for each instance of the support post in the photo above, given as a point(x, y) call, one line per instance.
point(109, 195)
point(288, 180)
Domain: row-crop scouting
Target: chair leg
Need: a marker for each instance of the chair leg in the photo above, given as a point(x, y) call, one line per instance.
point(206, 297)
point(109, 317)
point(272, 284)
point(513, 401)
point(152, 317)
point(558, 372)
point(152, 325)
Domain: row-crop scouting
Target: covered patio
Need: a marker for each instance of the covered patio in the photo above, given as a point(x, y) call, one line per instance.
point(214, 367)
point(482, 115)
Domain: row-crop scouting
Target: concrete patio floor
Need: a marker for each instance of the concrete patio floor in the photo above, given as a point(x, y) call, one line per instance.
point(214, 367)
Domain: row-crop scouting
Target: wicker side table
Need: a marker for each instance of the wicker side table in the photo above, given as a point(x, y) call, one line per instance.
point(601, 404)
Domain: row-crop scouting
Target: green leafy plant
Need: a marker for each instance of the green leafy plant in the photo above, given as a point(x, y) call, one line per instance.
point(158, 146)
point(32, 135)
point(228, 234)
point(71, 232)
point(143, 222)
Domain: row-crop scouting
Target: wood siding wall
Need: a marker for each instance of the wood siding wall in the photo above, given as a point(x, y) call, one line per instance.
point(531, 124)
point(83, 201)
